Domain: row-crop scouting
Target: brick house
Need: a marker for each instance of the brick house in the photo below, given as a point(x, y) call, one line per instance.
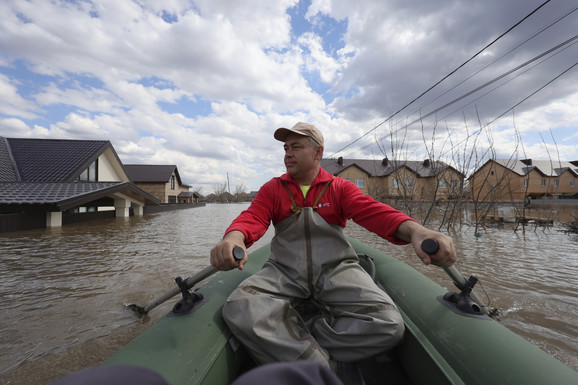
point(161, 181)
point(511, 180)
point(386, 179)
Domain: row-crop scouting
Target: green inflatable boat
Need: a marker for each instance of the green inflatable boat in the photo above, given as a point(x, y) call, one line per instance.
point(448, 339)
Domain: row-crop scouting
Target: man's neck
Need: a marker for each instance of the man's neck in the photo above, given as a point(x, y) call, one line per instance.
point(307, 180)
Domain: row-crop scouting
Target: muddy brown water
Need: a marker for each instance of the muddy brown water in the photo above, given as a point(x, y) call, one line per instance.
point(63, 290)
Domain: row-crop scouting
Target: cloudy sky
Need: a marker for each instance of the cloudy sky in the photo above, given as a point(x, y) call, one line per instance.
point(204, 83)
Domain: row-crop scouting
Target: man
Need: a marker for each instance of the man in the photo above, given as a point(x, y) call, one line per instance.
point(312, 261)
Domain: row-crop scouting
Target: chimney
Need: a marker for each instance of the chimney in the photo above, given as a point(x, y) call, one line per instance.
point(385, 161)
point(340, 161)
point(426, 162)
point(527, 162)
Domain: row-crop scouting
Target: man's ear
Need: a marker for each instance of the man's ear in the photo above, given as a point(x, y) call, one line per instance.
point(319, 153)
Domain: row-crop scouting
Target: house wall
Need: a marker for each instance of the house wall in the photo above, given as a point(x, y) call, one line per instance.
point(494, 183)
point(353, 173)
point(168, 192)
point(162, 191)
point(109, 170)
point(568, 183)
point(155, 189)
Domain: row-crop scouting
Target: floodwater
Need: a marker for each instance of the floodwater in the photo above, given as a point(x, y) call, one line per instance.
point(63, 291)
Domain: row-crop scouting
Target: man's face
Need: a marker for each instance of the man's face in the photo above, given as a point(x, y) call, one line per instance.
point(300, 156)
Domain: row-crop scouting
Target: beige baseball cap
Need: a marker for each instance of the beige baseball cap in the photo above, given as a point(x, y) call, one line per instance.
point(304, 129)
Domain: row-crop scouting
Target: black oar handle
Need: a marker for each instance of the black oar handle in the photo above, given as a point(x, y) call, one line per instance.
point(430, 246)
point(238, 254)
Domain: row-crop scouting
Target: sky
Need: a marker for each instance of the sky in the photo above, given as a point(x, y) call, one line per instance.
point(203, 84)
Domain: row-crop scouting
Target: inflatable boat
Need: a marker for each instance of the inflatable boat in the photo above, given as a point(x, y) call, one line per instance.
point(449, 337)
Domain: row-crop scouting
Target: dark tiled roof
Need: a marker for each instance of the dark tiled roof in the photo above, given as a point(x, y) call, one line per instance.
point(7, 173)
point(383, 168)
point(151, 173)
point(53, 160)
point(64, 195)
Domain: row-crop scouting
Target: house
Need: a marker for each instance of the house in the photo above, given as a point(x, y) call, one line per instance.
point(51, 182)
point(511, 180)
point(391, 179)
point(161, 181)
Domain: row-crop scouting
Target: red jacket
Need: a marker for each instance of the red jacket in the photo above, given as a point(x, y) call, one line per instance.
point(341, 201)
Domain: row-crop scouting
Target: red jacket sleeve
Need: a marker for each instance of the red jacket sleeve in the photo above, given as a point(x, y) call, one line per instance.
point(255, 221)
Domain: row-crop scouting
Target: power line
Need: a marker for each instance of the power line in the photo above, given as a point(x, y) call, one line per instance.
point(444, 78)
point(498, 58)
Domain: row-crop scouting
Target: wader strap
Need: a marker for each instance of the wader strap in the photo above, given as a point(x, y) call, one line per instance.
point(295, 207)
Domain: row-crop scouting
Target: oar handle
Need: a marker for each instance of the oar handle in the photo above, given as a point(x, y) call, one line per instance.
point(238, 254)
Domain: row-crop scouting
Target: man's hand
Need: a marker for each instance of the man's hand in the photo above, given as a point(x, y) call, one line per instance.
point(415, 233)
point(222, 253)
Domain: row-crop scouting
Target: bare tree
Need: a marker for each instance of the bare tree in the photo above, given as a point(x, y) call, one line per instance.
point(240, 190)
point(219, 189)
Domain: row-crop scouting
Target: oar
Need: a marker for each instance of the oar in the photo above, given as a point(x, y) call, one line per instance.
point(431, 247)
point(190, 282)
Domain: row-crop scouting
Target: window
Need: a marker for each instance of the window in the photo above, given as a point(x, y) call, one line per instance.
point(172, 199)
point(409, 183)
point(543, 182)
point(526, 182)
point(571, 182)
point(556, 182)
point(172, 182)
point(360, 182)
point(396, 183)
point(442, 183)
point(454, 183)
point(90, 174)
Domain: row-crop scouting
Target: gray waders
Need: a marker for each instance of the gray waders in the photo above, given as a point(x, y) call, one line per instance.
point(311, 260)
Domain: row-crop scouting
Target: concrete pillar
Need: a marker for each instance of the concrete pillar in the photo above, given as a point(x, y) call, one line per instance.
point(138, 210)
point(54, 219)
point(122, 207)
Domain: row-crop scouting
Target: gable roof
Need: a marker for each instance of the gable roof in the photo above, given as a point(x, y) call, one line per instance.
point(151, 173)
point(544, 167)
point(49, 160)
point(385, 167)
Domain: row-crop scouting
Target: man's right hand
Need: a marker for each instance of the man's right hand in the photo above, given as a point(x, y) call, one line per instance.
point(222, 253)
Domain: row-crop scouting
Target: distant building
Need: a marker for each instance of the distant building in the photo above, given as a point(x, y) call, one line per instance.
point(391, 179)
point(161, 181)
point(51, 182)
point(501, 180)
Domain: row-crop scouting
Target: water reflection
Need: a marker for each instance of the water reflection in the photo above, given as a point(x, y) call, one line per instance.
point(63, 290)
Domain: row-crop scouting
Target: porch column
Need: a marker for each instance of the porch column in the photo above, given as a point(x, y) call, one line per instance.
point(122, 207)
point(54, 219)
point(138, 210)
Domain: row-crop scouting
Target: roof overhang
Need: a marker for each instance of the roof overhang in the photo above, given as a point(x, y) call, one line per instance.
point(61, 196)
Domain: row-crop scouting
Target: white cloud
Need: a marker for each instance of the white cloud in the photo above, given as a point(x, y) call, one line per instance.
point(12, 104)
point(119, 71)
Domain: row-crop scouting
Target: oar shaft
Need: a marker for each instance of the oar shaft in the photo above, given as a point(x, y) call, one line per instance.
point(190, 282)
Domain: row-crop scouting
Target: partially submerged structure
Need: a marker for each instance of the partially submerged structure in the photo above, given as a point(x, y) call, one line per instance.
point(51, 182)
